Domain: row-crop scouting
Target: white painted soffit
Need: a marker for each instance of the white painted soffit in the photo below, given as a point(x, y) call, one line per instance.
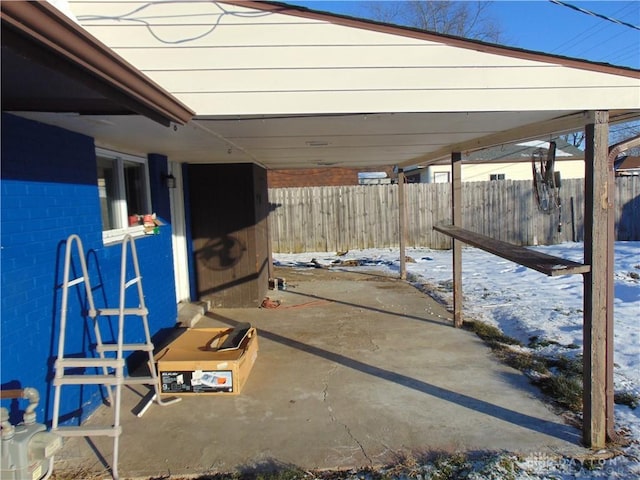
point(318, 141)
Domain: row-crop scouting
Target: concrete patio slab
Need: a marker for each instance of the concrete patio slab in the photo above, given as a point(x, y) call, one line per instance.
point(354, 367)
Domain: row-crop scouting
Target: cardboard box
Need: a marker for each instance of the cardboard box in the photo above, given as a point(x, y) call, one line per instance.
point(189, 365)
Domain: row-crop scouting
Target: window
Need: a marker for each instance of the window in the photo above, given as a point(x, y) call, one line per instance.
point(440, 177)
point(123, 188)
point(496, 176)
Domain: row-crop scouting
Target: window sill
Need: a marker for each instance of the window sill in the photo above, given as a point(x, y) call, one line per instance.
point(113, 237)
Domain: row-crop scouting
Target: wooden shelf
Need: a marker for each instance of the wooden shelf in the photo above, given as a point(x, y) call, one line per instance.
point(541, 262)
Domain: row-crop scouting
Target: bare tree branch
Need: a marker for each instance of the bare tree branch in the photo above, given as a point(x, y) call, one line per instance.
point(459, 18)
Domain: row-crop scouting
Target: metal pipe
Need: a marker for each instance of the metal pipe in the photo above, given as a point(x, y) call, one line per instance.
point(28, 393)
point(8, 430)
point(31, 394)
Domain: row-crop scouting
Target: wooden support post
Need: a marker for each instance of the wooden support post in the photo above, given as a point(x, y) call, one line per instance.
point(456, 207)
point(611, 241)
point(594, 428)
point(402, 200)
point(270, 272)
point(614, 151)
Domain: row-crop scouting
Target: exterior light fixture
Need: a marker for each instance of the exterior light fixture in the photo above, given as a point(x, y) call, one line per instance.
point(169, 181)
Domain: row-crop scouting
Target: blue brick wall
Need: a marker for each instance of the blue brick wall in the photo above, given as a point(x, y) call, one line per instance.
point(48, 192)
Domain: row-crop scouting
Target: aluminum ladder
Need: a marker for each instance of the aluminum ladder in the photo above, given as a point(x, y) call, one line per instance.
point(112, 367)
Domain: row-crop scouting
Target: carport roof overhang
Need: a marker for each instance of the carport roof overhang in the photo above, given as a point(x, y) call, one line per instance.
point(299, 126)
point(370, 133)
point(52, 64)
point(315, 141)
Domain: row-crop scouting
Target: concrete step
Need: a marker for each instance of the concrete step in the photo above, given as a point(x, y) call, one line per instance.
point(190, 313)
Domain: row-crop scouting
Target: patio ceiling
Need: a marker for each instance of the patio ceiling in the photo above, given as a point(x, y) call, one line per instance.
point(349, 140)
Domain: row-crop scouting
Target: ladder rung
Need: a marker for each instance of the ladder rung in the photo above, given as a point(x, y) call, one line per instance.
point(89, 362)
point(116, 311)
point(75, 281)
point(87, 380)
point(139, 381)
point(88, 431)
point(127, 347)
point(133, 281)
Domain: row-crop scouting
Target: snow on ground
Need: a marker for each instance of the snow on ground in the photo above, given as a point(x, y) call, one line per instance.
point(525, 304)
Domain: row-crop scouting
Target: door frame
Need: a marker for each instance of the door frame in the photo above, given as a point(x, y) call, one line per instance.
point(179, 235)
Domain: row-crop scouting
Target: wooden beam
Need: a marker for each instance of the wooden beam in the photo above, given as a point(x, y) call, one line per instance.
point(456, 215)
point(402, 201)
point(538, 261)
point(594, 430)
point(565, 124)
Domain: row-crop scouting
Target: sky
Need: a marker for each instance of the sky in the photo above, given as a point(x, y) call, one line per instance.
point(548, 27)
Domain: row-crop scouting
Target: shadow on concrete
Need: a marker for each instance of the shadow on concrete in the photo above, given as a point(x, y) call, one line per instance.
point(444, 322)
point(558, 430)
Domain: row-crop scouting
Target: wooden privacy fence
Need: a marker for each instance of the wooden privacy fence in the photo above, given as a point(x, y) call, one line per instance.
point(333, 219)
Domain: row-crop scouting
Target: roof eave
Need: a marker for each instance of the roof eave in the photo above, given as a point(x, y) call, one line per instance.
point(44, 25)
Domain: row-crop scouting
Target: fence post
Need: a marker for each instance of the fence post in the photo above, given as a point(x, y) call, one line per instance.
point(427, 204)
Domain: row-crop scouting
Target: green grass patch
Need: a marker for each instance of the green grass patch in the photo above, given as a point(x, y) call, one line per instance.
point(425, 465)
point(446, 285)
point(490, 334)
point(525, 362)
point(450, 467)
point(567, 366)
point(560, 377)
point(566, 390)
point(627, 398)
point(537, 342)
point(271, 470)
point(267, 470)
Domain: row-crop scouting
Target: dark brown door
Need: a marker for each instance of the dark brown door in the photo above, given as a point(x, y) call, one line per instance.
point(229, 209)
